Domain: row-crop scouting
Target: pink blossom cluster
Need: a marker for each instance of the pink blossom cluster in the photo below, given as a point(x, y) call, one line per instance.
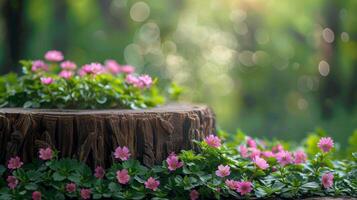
point(242, 187)
point(68, 69)
point(259, 155)
point(142, 81)
point(113, 67)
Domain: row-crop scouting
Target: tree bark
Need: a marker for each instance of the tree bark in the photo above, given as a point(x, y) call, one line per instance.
point(92, 135)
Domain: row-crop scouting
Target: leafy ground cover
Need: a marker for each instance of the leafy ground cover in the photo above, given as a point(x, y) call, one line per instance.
point(250, 168)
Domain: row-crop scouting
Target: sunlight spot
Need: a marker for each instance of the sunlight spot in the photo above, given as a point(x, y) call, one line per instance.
point(324, 68)
point(302, 104)
point(328, 35)
point(345, 37)
point(140, 11)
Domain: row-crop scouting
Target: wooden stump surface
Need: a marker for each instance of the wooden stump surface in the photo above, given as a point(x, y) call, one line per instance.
point(92, 135)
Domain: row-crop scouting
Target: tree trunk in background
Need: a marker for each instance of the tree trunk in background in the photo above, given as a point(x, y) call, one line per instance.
point(15, 34)
point(330, 86)
point(92, 135)
point(60, 25)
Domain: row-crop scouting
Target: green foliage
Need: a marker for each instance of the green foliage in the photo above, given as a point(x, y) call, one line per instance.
point(197, 173)
point(103, 90)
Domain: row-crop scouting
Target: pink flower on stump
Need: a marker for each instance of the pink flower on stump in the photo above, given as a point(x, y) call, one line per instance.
point(254, 153)
point(194, 195)
point(36, 195)
point(244, 187)
point(173, 162)
point(251, 143)
point(99, 172)
point(123, 176)
point(66, 74)
point(223, 171)
point(327, 180)
point(325, 144)
point(277, 148)
point(127, 69)
point(14, 163)
point(260, 162)
point(39, 65)
point(12, 182)
point(92, 68)
point(68, 65)
point(112, 67)
point(232, 184)
point(284, 158)
point(45, 154)
point(54, 56)
point(46, 80)
point(267, 154)
point(122, 153)
point(300, 157)
point(71, 187)
point(85, 193)
point(146, 81)
point(152, 184)
point(243, 151)
point(213, 141)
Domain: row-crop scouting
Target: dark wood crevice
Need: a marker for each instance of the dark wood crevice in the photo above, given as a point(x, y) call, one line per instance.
point(92, 135)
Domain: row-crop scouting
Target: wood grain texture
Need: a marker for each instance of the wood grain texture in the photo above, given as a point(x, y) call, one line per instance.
point(92, 135)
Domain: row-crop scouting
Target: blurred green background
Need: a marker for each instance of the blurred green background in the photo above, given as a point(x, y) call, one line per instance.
point(272, 68)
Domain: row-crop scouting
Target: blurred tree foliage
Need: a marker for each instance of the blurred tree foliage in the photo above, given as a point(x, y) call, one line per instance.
point(271, 68)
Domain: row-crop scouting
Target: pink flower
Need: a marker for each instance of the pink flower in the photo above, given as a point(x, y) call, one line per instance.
point(14, 163)
point(327, 180)
point(122, 153)
point(243, 151)
point(36, 195)
point(251, 143)
point(152, 184)
point(268, 154)
point(300, 157)
point(85, 193)
point(123, 176)
point(93, 68)
point(173, 162)
point(68, 65)
point(244, 187)
point(112, 67)
point(127, 69)
point(261, 163)
point(99, 172)
point(254, 153)
point(223, 171)
point(194, 195)
point(46, 154)
point(277, 148)
point(66, 74)
point(54, 56)
point(12, 182)
point(232, 184)
point(213, 141)
point(46, 80)
point(71, 187)
point(325, 144)
point(284, 158)
point(39, 65)
point(145, 80)
point(133, 80)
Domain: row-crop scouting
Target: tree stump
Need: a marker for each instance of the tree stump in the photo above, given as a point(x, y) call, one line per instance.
point(92, 135)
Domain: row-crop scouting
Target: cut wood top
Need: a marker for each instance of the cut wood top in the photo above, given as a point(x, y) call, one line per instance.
point(169, 108)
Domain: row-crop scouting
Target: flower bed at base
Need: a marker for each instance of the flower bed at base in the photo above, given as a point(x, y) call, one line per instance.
point(253, 169)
